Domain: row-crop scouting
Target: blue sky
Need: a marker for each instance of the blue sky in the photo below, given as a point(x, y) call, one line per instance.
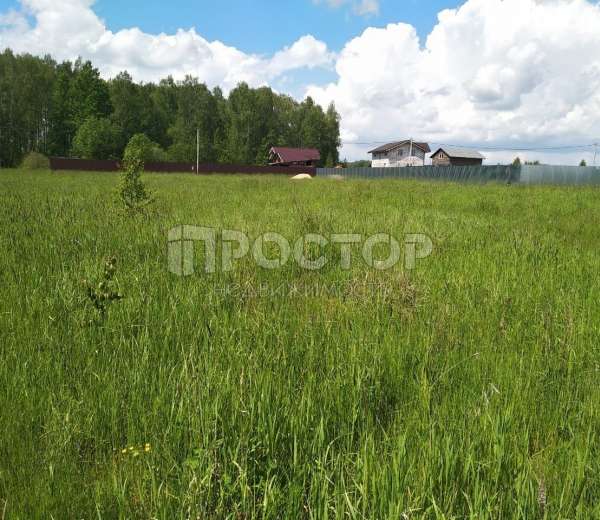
point(264, 26)
point(261, 26)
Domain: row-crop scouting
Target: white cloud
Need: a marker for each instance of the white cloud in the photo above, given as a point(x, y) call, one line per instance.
point(70, 28)
point(367, 7)
point(359, 7)
point(306, 52)
point(491, 71)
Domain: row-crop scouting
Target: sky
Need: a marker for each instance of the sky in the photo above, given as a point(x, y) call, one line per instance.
point(490, 74)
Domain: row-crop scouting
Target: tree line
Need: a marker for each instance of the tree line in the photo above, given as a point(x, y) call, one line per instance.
point(66, 109)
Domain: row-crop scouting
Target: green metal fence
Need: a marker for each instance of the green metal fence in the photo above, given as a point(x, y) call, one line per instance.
point(476, 174)
point(529, 175)
point(561, 175)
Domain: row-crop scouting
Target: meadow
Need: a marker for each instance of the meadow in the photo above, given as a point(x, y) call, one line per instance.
point(465, 388)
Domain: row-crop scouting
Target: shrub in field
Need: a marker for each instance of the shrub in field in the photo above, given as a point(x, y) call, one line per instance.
point(132, 192)
point(146, 149)
point(103, 293)
point(35, 161)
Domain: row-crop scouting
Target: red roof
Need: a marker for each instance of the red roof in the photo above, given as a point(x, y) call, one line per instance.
point(288, 155)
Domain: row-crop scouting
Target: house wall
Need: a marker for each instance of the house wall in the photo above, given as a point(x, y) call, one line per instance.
point(391, 158)
point(380, 163)
point(278, 162)
point(466, 162)
point(441, 159)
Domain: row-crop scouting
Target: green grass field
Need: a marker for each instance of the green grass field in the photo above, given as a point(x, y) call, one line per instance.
point(467, 388)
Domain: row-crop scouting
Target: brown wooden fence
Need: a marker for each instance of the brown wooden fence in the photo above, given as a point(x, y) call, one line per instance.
point(60, 163)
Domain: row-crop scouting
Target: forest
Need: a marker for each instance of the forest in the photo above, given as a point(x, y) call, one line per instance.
point(68, 110)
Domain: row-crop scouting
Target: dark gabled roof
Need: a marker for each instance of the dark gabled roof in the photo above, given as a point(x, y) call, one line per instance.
point(296, 154)
point(391, 146)
point(454, 152)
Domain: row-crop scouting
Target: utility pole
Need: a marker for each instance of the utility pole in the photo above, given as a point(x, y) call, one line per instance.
point(595, 152)
point(197, 150)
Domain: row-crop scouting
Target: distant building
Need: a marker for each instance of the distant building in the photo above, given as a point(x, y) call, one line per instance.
point(400, 154)
point(279, 156)
point(454, 156)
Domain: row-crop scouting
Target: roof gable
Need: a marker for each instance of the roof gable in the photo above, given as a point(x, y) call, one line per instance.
point(391, 146)
point(455, 152)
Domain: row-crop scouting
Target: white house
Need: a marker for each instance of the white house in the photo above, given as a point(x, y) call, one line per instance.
point(400, 154)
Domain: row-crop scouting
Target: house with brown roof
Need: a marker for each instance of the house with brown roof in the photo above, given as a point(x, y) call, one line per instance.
point(280, 156)
point(455, 156)
point(400, 154)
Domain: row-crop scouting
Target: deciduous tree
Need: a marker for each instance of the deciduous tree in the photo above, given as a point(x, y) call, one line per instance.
point(97, 138)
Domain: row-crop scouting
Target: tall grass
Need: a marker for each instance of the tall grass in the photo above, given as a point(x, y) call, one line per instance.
point(467, 388)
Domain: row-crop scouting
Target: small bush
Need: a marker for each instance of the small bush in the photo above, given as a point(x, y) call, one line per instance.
point(35, 161)
point(101, 294)
point(132, 192)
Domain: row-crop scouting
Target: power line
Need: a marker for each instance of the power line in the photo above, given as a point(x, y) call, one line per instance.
point(488, 148)
point(530, 149)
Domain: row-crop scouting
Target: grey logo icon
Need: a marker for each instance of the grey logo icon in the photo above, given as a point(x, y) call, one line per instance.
point(236, 245)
